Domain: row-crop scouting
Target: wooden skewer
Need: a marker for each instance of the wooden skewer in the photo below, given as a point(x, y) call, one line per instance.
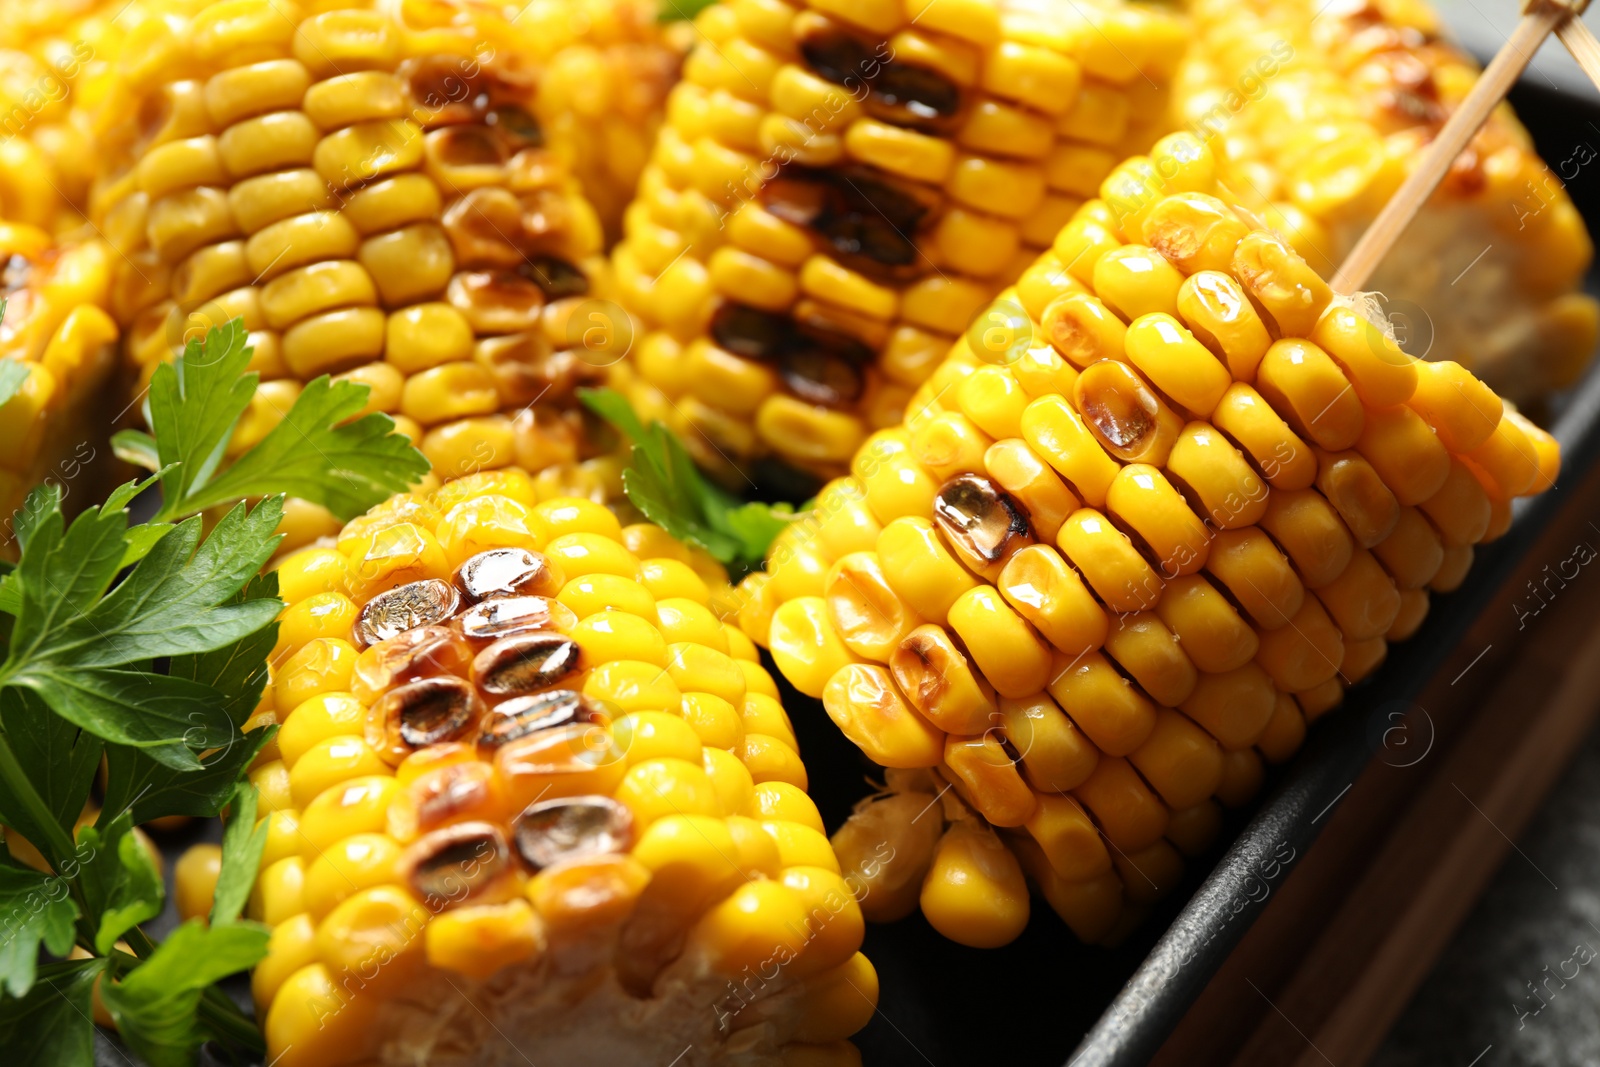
point(1508, 64)
point(1581, 42)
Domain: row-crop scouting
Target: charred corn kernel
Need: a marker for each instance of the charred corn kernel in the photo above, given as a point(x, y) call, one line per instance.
point(1308, 389)
point(1308, 529)
point(1233, 707)
point(869, 617)
point(1114, 714)
point(941, 683)
point(1082, 329)
point(194, 879)
point(1282, 458)
point(1363, 600)
point(1305, 653)
point(961, 176)
point(1281, 283)
point(1126, 416)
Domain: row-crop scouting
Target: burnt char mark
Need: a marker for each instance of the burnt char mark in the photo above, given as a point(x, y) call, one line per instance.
point(896, 92)
point(866, 220)
point(555, 277)
point(820, 366)
point(750, 332)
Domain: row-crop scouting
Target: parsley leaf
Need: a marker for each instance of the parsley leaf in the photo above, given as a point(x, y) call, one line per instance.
point(662, 482)
point(194, 403)
point(121, 884)
point(57, 757)
point(316, 455)
point(237, 672)
point(320, 451)
point(35, 908)
point(154, 1005)
point(243, 842)
point(13, 374)
point(51, 1023)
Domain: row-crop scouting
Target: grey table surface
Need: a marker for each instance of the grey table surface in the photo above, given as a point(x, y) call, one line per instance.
point(1519, 985)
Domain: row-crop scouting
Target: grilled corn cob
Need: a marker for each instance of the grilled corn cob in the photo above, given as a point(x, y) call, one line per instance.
point(841, 186)
point(369, 190)
point(530, 800)
point(606, 67)
point(1129, 541)
point(55, 327)
point(1319, 112)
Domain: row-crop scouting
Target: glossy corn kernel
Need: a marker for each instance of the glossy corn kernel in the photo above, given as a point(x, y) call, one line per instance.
point(1112, 576)
point(1333, 124)
point(840, 188)
point(396, 200)
point(480, 779)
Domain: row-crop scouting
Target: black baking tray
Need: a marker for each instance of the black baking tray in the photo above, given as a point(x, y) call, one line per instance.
point(1046, 999)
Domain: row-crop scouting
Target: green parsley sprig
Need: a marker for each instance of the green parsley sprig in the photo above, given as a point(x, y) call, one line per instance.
point(145, 647)
point(663, 482)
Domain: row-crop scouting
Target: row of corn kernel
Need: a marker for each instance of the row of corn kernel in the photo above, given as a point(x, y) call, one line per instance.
point(789, 185)
point(55, 327)
point(607, 66)
point(1322, 113)
point(1168, 758)
point(375, 201)
point(341, 814)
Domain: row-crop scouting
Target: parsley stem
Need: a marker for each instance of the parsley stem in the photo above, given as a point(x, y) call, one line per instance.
point(57, 845)
point(218, 1011)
